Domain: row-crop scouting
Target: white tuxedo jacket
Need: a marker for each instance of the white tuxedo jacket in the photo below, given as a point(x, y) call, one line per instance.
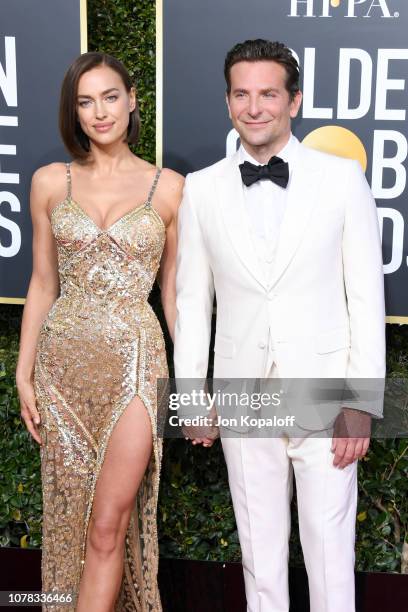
point(325, 302)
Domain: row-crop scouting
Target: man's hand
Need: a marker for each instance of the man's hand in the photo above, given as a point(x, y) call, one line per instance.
point(351, 436)
point(204, 435)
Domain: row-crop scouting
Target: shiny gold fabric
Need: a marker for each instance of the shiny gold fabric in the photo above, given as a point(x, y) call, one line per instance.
point(100, 346)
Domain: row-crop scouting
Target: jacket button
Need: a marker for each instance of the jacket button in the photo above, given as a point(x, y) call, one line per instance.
point(262, 345)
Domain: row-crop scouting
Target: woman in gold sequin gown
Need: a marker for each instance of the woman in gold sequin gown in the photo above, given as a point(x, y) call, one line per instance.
point(92, 349)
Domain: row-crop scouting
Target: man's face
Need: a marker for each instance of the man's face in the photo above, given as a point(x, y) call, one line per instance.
point(259, 105)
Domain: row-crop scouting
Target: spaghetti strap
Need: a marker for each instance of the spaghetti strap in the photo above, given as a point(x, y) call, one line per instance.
point(153, 188)
point(69, 181)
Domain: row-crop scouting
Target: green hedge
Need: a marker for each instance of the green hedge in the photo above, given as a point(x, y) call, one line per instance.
point(127, 30)
point(195, 514)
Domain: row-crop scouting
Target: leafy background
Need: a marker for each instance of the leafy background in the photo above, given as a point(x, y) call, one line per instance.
point(195, 514)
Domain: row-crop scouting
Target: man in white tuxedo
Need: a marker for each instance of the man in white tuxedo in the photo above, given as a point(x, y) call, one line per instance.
point(288, 240)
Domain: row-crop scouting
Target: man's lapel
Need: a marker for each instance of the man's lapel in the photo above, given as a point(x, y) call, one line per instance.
point(302, 198)
point(231, 202)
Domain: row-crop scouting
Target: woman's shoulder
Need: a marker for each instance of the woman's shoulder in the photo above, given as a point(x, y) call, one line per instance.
point(172, 178)
point(49, 181)
point(46, 176)
point(171, 187)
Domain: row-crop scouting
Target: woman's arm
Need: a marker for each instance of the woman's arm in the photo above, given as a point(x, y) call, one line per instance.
point(42, 292)
point(172, 187)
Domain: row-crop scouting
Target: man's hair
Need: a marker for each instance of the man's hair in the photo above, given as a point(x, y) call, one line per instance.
point(260, 50)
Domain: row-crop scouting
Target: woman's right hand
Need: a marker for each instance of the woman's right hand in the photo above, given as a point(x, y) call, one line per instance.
point(47, 186)
point(29, 412)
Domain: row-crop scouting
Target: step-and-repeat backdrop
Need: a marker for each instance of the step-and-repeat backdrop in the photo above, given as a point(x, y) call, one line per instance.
point(354, 60)
point(38, 41)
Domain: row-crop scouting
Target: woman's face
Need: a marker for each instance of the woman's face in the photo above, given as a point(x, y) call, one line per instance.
point(103, 105)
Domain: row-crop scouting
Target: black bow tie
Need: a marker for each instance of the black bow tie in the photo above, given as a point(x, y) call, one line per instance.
point(276, 170)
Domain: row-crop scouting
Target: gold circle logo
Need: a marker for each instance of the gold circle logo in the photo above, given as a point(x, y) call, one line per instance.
point(338, 141)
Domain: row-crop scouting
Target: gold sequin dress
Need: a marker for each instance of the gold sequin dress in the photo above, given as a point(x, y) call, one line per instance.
point(99, 347)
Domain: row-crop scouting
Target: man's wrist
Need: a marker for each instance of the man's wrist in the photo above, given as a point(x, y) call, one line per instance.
point(346, 411)
point(352, 423)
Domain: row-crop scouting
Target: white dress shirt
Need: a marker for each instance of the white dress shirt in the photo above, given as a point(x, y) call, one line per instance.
point(265, 204)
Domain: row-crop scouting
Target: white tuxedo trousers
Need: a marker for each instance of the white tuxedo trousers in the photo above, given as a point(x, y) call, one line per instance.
point(260, 472)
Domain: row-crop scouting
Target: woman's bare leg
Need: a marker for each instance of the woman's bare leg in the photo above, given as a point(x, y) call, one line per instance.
point(126, 459)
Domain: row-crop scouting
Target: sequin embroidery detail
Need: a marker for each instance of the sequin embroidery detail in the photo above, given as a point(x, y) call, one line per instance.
point(99, 347)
